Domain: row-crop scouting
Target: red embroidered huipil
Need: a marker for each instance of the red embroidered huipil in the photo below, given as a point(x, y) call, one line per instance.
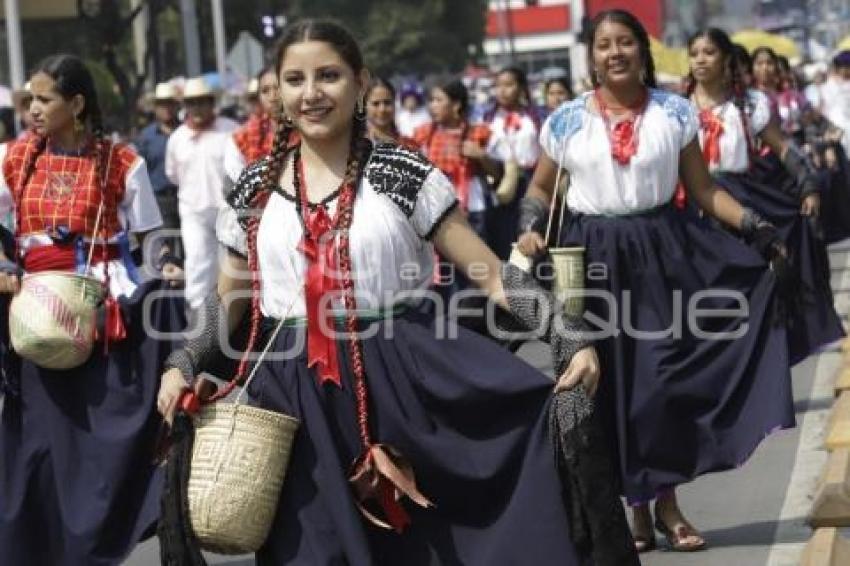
point(62, 190)
point(254, 139)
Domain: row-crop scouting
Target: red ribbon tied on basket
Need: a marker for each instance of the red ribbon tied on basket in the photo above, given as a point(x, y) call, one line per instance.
point(380, 478)
point(319, 248)
point(712, 128)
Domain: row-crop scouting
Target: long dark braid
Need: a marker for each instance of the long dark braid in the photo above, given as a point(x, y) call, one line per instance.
point(271, 178)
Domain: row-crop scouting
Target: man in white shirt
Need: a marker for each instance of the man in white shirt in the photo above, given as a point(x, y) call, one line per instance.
point(194, 161)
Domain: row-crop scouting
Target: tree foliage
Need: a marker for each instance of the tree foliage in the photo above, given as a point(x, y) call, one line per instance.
point(403, 36)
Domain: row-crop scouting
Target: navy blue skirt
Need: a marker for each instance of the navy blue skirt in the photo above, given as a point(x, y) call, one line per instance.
point(77, 483)
point(682, 403)
point(469, 416)
point(815, 323)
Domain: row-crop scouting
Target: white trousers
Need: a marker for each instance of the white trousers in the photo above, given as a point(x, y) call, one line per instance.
point(200, 245)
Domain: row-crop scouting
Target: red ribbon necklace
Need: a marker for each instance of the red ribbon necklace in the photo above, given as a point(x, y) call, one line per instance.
point(320, 248)
point(623, 137)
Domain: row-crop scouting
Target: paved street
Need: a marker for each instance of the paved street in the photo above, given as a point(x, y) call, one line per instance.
point(752, 516)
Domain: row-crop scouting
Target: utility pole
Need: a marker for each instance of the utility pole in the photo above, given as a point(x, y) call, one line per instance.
point(16, 50)
point(190, 37)
point(220, 39)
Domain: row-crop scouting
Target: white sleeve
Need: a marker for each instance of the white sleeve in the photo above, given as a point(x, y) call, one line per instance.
point(690, 125)
point(548, 142)
point(139, 205)
point(435, 200)
point(171, 168)
point(228, 231)
point(760, 117)
point(234, 161)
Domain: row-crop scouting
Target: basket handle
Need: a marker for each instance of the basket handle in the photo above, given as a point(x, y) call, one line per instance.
point(268, 346)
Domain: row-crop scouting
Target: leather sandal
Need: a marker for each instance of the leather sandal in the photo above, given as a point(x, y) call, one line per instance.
point(677, 537)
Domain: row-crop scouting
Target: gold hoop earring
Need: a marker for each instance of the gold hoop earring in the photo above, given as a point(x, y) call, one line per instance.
point(79, 127)
point(643, 76)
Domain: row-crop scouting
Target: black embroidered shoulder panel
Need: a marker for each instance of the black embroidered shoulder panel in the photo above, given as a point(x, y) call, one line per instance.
point(249, 183)
point(398, 173)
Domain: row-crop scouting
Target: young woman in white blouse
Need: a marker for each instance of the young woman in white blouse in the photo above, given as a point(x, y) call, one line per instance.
point(682, 395)
point(468, 417)
point(734, 124)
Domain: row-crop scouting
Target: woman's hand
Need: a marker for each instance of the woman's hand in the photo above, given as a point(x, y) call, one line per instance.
point(531, 244)
point(472, 150)
point(9, 282)
point(171, 388)
point(584, 369)
point(810, 205)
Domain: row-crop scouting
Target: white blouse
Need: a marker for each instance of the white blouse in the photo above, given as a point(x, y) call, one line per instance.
point(574, 136)
point(519, 144)
point(400, 202)
point(733, 141)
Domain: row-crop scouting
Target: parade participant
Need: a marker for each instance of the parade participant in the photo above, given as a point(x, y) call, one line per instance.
point(487, 468)
point(380, 114)
point(743, 63)
point(77, 483)
point(459, 149)
point(732, 119)
point(766, 76)
point(411, 112)
point(837, 96)
point(556, 92)
point(514, 129)
point(793, 107)
point(151, 145)
point(253, 140)
point(194, 161)
point(679, 401)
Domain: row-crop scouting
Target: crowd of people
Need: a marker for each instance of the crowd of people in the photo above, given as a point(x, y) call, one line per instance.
point(340, 223)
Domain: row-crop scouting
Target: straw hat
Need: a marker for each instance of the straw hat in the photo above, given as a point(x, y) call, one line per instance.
point(165, 92)
point(197, 87)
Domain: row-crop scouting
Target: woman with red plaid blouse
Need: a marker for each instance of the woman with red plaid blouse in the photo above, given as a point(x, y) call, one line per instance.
point(77, 484)
point(254, 139)
point(459, 149)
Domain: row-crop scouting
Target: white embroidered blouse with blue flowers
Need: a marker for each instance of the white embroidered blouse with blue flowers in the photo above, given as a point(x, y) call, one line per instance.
point(574, 136)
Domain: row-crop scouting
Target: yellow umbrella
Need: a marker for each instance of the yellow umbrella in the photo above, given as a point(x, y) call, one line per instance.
point(844, 44)
point(755, 38)
point(668, 60)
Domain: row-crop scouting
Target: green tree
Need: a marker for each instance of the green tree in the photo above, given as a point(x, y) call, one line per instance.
point(404, 36)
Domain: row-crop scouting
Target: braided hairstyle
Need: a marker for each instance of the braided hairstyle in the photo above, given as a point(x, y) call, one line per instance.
point(732, 76)
point(628, 20)
point(344, 44)
point(72, 78)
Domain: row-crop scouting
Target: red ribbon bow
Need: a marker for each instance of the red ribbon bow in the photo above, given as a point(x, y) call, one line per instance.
point(712, 128)
point(623, 145)
point(319, 247)
point(513, 122)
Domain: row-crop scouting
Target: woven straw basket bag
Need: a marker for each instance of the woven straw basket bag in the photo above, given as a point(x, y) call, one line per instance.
point(239, 461)
point(52, 318)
